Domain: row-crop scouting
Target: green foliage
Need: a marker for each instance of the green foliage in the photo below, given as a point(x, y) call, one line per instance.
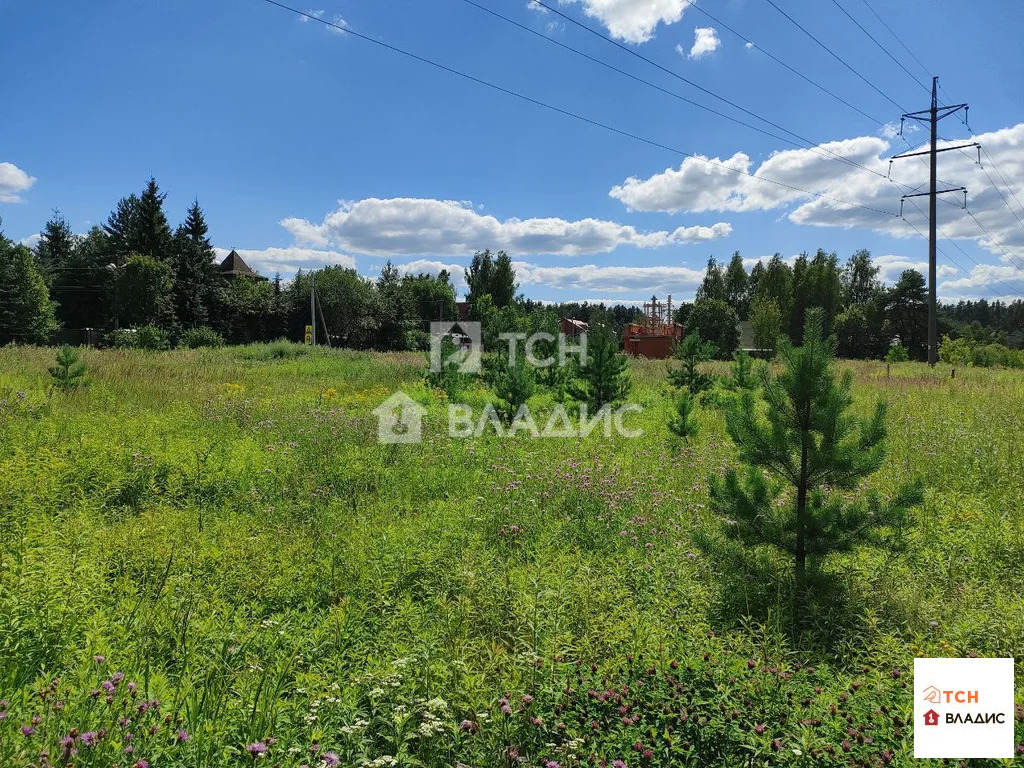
point(906, 309)
point(776, 283)
point(514, 384)
point(964, 351)
point(146, 337)
point(737, 285)
point(450, 379)
point(195, 280)
point(232, 538)
point(604, 380)
point(684, 422)
point(194, 338)
point(742, 375)
point(27, 315)
point(493, 276)
point(717, 322)
point(897, 354)
point(766, 322)
point(394, 310)
point(143, 288)
point(692, 351)
point(69, 373)
point(802, 454)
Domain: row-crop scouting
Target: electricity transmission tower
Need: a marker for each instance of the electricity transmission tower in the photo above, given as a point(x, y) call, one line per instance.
point(932, 116)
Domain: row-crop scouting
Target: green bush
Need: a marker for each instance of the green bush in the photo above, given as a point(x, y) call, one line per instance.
point(282, 349)
point(966, 352)
point(147, 337)
point(194, 338)
point(897, 354)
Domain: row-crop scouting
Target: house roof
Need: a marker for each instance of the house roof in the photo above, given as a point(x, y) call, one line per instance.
point(234, 266)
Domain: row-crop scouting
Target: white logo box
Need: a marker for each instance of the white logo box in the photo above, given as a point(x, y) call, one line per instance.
point(971, 703)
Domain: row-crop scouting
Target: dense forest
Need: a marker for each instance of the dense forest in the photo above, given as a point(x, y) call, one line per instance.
point(142, 282)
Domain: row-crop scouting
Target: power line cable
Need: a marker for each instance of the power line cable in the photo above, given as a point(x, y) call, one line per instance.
point(777, 60)
point(836, 56)
point(955, 244)
point(897, 37)
point(807, 143)
point(574, 115)
point(882, 47)
point(662, 68)
point(804, 142)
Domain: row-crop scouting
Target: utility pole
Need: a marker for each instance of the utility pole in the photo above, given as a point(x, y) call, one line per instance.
point(932, 117)
point(312, 304)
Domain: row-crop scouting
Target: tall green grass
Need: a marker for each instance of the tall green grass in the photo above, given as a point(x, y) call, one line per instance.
point(222, 527)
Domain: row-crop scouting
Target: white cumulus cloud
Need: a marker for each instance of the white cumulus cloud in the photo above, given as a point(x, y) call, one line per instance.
point(406, 226)
point(697, 186)
point(611, 279)
point(633, 21)
point(705, 41)
point(13, 181)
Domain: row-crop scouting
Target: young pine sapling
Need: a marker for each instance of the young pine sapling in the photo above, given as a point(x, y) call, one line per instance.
point(70, 372)
point(803, 454)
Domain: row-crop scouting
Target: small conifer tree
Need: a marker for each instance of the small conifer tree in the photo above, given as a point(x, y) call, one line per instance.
point(70, 372)
point(692, 352)
point(742, 377)
point(684, 423)
point(514, 384)
point(803, 454)
point(605, 377)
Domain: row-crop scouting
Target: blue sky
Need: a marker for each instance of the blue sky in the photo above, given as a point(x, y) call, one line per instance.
point(308, 146)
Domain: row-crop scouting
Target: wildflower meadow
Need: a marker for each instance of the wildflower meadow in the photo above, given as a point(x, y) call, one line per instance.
point(207, 558)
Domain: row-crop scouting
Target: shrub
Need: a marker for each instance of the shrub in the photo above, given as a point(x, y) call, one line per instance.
point(282, 349)
point(147, 337)
point(897, 354)
point(449, 379)
point(194, 338)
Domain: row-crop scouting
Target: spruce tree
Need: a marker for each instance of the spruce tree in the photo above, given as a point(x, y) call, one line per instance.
point(194, 276)
point(803, 454)
point(56, 247)
point(138, 225)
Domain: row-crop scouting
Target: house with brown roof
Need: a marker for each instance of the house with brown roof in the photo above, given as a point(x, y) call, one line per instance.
point(234, 266)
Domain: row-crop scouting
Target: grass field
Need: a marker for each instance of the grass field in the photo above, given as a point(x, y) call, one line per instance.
point(207, 559)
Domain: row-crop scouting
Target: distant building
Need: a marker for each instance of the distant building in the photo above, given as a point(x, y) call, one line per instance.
point(572, 328)
point(234, 267)
point(657, 334)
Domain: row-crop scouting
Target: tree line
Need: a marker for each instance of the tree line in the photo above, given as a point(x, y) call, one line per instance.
point(868, 318)
point(137, 271)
